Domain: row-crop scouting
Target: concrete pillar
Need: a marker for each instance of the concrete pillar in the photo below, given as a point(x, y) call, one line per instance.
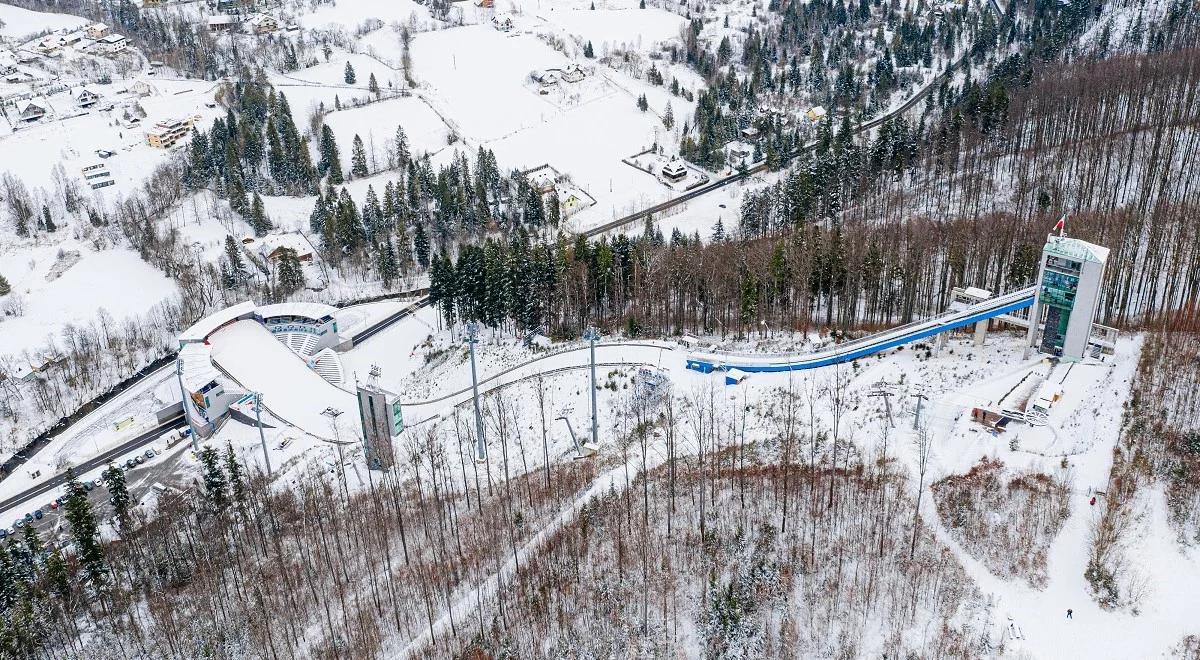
point(981, 329)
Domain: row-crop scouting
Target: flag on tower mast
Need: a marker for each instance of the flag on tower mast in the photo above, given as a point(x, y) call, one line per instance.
point(1060, 225)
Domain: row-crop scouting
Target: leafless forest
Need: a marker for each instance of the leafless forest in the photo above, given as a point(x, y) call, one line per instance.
point(1007, 521)
point(1160, 445)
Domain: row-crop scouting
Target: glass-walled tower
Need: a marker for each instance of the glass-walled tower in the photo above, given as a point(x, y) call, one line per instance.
point(1068, 294)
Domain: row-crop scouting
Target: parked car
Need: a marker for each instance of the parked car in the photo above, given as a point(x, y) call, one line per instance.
point(54, 505)
point(130, 463)
point(149, 454)
point(18, 523)
point(29, 517)
point(3, 533)
point(139, 459)
point(104, 153)
point(99, 481)
point(87, 486)
point(37, 514)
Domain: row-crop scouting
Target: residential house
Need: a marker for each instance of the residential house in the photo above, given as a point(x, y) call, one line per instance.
point(167, 133)
point(674, 170)
point(8, 62)
point(573, 73)
point(502, 22)
point(47, 47)
point(29, 111)
point(141, 88)
point(261, 24)
point(97, 31)
point(113, 44)
point(815, 114)
point(222, 23)
point(84, 97)
point(70, 39)
point(269, 248)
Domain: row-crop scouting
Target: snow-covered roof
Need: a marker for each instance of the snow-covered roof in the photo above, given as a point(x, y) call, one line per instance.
point(1076, 249)
point(201, 329)
point(976, 292)
point(268, 244)
point(223, 19)
point(22, 106)
point(195, 367)
point(314, 311)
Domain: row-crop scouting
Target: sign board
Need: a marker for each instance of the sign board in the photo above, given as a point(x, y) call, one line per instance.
point(397, 418)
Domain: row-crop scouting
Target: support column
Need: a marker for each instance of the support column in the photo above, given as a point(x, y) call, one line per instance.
point(981, 329)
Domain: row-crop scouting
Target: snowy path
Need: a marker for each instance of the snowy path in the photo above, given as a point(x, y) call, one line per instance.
point(1166, 613)
point(485, 591)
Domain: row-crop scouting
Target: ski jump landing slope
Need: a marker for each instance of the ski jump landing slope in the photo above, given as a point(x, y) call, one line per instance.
point(249, 354)
point(987, 309)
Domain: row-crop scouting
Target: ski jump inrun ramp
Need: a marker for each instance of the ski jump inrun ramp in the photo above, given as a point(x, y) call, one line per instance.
point(1001, 305)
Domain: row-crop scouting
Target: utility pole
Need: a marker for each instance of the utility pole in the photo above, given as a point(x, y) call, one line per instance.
point(187, 416)
point(333, 413)
point(886, 394)
point(592, 335)
point(920, 397)
point(480, 444)
point(262, 438)
point(574, 440)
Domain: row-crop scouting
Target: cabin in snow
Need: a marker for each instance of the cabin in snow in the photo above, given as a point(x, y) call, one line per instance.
point(29, 111)
point(674, 170)
point(84, 97)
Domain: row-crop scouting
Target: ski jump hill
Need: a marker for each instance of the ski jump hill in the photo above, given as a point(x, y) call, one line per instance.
point(1001, 306)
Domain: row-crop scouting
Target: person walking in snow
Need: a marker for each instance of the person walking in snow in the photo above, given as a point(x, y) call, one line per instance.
point(1069, 613)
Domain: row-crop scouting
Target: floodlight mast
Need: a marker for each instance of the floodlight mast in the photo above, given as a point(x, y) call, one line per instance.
point(592, 335)
point(480, 444)
point(261, 437)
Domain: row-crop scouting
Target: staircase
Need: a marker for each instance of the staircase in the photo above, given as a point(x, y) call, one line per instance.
point(327, 364)
point(325, 361)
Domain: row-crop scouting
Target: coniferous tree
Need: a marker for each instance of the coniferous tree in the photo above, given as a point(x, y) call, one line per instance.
point(588, 52)
point(358, 159)
point(668, 119)
point(5, 287)
point(233, 254)
point(330, 163)
point(642, 103)
point(373, 85)
point(401, 145)
point(388, 266)
point(114, 482)
point(372, 215)
point(85, 532)
point(216, 493)
point(47, 219)
point(319, 217)
point(291, 272)
point(349, 75)
point(258, 217)
point(421, 245)
point(237, 477)
point(553, 209)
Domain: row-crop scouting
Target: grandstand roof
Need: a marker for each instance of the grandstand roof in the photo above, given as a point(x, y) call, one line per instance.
point(195, 367)
point(201, 329)
point(314, 311)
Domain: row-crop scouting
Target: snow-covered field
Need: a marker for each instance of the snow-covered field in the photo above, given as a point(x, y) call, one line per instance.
point(116, 281)
point(18, 24)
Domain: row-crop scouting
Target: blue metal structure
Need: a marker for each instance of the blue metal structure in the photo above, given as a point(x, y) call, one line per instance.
point(988, 309)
